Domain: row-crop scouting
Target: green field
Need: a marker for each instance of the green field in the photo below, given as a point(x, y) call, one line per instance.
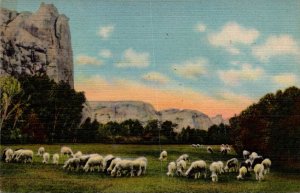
point(37, 177)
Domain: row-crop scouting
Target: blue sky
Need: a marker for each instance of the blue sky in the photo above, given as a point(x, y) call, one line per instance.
point(214, 56)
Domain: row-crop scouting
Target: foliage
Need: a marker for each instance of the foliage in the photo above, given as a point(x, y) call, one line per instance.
point(271, 127)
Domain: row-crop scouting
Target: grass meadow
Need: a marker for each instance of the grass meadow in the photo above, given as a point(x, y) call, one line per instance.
point(38, 177)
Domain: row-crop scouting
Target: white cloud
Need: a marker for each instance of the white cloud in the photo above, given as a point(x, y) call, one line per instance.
point(234, 76)
point(106, 31)
point(285, 79)
point(132, 58)
point(156, 77)
point(105, 53)
point(191, 69)
point(87, 60)
point(231, 35)
point(201, 27)
point(276, 46)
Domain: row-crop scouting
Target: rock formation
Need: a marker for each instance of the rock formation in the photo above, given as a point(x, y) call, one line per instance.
point(119, 111)
point(36, 43)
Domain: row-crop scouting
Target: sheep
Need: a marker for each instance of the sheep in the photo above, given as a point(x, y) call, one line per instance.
point(242, 172)
point(66, 151)
point(246, 164)
point(223, 149)
point(55, 158)
point(122, 165)
point(107, 160)
point(215, 168)
point(199, 146)
point(94, 161)
point(209, 150)
point(196, 168)
point(227, 147)
point(184, 157)
point(258, 170)
point(232, 163)
point(180, 167)
point(267, 164)
point(163, 155)
point(7, 155)
point(194, 146)
point(171, 169)
point(256, 160)
point(23, 155)
point(72, 164)
point(139, 165)
point(46, 157)
point(41, 151)
point(253, 155)
point(77, 154)
point(113, 164)
point(83, 159)
point(221, 166)
point(246, 154)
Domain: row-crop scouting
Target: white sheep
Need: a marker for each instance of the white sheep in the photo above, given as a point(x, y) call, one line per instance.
point(267, 164)
point(184, 157)
point(181, 167)
point(139, 165)
point(221, 166)
point(107, 160)
point(199, 146)
point(77, 154)
point(55, 158)
point(41, 151)
point(46, 157)
point(113, 164)
point(252, 156)
point(121, 166)
point(23, 155)
point(259, 170)
point(94, 161)
point(232, 163)
point(66, 151)
point(72, 164)
point(8, 154)
point(163, 155)
point(215, 168)
point(209, 150)
point(171, 169)
point(228, 148)
point(242, 172)
point(246, 154)
point(196, 169)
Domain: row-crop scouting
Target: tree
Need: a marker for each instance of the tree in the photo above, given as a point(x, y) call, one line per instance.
point(9, 89)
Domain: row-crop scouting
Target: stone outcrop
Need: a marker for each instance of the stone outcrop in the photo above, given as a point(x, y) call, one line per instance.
point(36, 43)
point(119, 111)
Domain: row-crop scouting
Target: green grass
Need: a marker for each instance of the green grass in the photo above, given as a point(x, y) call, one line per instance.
point(37, 177)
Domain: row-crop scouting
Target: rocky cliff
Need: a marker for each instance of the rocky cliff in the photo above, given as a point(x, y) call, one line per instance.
point(105, 111)
point(36, 43)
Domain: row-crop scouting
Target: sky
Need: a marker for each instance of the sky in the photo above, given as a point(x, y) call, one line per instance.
point(214, 56)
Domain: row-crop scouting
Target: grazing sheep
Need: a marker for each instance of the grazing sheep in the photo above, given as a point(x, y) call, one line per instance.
point(199, 146)
point(107, 161)
point(55, 158)
point(41, 151)
point(78, 154)
point(209, 150)
point(194, 146)
point(181, 167)
point(46, 157)
point(246, 164)
point(259, 170)
point(232, 163)
point(23, 155)
point(72, 164)
point(83, 159)
point(139, 165)
point(223, 149)
point(7, 155)
point(196, 169)
point(228, 148)
point(252, 156)
point(215, 168)
point(66, 151)
point(267, 164)
point(163, 155)
point(242, 172)
point(246, 154)
point(171, 169)
point(221, 166)
point(94, 161)
point(256, 160)
point(121, 166)
point(184, 157)
point(113, 164)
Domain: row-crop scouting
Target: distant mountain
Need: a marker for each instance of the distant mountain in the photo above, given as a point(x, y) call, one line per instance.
point(119, 111)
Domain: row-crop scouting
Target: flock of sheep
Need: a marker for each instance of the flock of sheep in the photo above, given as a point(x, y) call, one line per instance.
point(252, 162)
point(116, 166)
